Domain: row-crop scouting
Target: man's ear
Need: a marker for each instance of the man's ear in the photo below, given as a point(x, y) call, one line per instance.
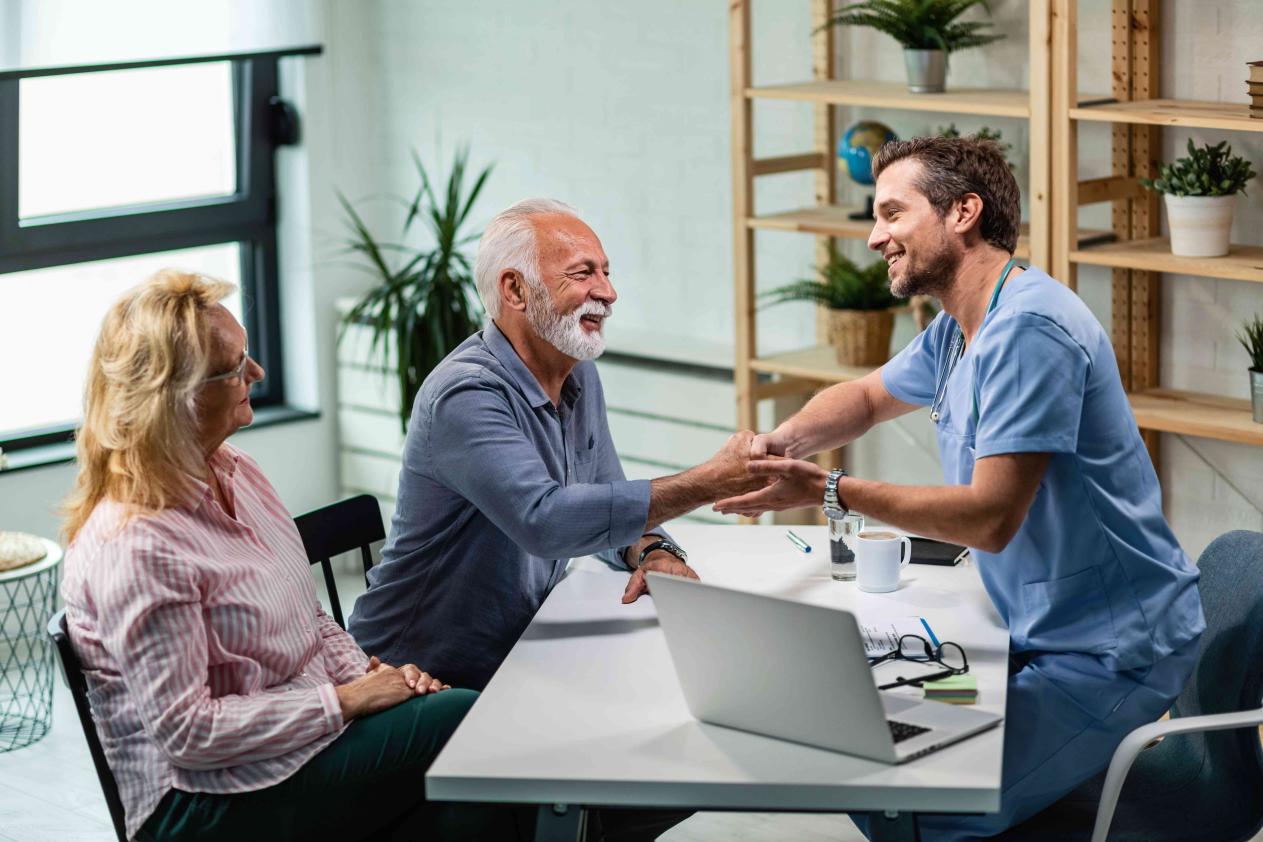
point(513, 289)
point(968, 214)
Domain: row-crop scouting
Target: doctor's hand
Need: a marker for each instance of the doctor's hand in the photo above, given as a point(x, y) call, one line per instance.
point(769, 444)
point(659, 561)
point(794, 483)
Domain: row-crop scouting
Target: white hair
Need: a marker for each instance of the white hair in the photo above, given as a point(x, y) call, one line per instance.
point(510, 243)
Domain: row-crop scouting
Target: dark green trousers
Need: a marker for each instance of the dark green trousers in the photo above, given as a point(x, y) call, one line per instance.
point(368, 784)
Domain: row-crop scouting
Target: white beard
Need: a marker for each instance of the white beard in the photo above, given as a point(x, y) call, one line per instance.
point(564, 332)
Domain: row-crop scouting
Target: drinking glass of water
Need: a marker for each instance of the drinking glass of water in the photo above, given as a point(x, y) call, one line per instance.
point(842, 532)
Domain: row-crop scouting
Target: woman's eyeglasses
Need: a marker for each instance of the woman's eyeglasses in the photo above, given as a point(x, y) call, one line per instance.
point(914, 648)
point(237, 373)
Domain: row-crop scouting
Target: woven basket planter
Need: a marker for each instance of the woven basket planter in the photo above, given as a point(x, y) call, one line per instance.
point(861, 337)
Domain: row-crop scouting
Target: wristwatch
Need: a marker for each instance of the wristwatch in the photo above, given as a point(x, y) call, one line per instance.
point(663, 544)
point(834, 508)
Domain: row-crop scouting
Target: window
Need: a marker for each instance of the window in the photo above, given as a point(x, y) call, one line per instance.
point(108, 173)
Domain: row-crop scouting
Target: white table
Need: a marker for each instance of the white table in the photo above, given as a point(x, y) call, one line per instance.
point(587, 710)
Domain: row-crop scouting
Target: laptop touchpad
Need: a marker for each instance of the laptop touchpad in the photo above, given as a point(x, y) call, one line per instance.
point(895, 704)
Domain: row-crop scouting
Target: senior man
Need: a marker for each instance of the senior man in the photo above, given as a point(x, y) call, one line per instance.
point(508, 466)
point(1048, 480)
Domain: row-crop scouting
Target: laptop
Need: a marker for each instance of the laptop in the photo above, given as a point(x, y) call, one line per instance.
point(797, 672)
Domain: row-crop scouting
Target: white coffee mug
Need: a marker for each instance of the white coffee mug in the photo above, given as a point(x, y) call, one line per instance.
point(879, 559)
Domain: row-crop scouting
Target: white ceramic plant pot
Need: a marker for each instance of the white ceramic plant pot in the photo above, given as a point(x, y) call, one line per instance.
point(927, 71)
point(1200, 225)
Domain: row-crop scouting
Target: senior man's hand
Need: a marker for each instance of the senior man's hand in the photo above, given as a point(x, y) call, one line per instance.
point(795, 483)
point(659, 561)
point(726, 471)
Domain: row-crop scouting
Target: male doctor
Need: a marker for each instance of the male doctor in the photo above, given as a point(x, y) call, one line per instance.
point(1047, 479)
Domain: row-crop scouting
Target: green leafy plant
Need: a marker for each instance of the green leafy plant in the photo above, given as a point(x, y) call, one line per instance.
point(1208, 171)
point(921, 24)
point(1251, 338)
point(425, 303)
point(984, 133)
point(843, 285)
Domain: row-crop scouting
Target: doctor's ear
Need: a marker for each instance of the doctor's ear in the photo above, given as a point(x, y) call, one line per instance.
point(513, 289)
point(968, 213)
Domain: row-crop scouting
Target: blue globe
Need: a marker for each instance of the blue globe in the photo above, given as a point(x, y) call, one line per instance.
point(859, 144)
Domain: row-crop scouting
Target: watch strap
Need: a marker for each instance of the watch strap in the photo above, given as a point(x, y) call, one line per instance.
point(833, 505)
point(662, 544)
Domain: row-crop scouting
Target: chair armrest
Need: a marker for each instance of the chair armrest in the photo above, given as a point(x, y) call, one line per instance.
point(1134, 743)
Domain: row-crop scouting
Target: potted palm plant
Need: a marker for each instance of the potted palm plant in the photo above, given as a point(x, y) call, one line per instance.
point(926, 29)
point(861, 307)
point(1251, 338)
point(425, 303)
point(1200, 192)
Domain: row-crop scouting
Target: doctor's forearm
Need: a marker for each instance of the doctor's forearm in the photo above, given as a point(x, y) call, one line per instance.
point(834, 417)
point(953, 513)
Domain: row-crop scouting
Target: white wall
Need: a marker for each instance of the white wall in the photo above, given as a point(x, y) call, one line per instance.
point(337, 149)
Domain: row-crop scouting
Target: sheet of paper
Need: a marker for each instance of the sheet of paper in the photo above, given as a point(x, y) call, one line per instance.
point(881, 635)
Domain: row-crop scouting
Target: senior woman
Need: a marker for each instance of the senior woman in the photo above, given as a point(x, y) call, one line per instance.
point(229, 704)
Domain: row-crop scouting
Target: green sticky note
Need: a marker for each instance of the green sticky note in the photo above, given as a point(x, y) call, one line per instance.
point(954, 684)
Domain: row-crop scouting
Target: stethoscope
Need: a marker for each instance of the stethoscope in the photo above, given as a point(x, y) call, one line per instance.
point(957, 350)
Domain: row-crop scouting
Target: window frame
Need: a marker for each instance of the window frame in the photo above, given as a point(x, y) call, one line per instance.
point(248, 216)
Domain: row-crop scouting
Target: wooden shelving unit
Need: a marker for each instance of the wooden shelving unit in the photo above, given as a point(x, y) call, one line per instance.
point(1136, 253)
point(806, 370)
point(1140, 257)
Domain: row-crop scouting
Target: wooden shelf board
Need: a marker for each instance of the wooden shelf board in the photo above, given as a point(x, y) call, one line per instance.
point(1242, 263)
point(835, 221)
point(1229, 116)
point(989, 102)
point(819, 364)
point(1193, 414)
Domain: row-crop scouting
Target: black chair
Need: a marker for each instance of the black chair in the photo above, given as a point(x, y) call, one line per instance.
point(338, 528)
point(73, 672)
point(1205, 779)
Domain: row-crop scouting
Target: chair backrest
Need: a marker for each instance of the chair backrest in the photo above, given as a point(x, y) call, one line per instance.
point(338, 528)
point(1228, 677)
point(73, 671)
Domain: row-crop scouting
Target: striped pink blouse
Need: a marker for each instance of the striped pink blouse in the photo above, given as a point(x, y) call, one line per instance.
point(210, 664)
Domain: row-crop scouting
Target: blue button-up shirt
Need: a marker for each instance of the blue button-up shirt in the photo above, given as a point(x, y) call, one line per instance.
point(499, 489)
point(1094, 567)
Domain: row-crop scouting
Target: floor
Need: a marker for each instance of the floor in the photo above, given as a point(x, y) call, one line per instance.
point(49, 791)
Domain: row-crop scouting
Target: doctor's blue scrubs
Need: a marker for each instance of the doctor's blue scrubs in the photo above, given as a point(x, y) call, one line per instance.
point(1101, 603)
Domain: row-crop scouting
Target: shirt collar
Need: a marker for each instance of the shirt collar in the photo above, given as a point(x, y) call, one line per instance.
point(224, 463)
point(502, 349)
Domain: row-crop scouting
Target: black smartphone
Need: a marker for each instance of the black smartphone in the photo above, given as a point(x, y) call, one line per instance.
point(929, 551)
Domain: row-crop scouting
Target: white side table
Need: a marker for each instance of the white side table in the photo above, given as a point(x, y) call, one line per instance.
point(28, 597)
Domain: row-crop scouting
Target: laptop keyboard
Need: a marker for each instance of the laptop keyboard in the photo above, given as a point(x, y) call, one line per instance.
point(900, 731)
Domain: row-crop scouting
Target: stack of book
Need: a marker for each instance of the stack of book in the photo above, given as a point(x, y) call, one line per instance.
point(1254, 84)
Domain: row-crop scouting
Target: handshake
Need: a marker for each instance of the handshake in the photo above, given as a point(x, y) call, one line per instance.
point(752, 474)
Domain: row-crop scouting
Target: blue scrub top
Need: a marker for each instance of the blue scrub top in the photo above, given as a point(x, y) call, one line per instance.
point(1094, 568)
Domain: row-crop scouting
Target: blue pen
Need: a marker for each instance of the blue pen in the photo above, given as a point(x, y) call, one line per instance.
point(802, 545)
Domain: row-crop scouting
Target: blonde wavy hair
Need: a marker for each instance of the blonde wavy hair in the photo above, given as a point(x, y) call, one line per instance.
point(138, 444)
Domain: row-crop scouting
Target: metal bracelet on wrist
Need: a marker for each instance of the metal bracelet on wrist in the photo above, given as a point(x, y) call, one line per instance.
point(834, 507)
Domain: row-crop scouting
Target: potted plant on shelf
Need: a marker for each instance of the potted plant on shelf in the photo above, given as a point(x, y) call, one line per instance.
point(926, 29)
point(861, 307)
point(425, 303)
point(1200, 191)
point(983, 133)
point(1251, 338)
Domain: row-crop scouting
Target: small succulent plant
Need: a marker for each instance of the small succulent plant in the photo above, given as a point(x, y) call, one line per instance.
point(1208, 171)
